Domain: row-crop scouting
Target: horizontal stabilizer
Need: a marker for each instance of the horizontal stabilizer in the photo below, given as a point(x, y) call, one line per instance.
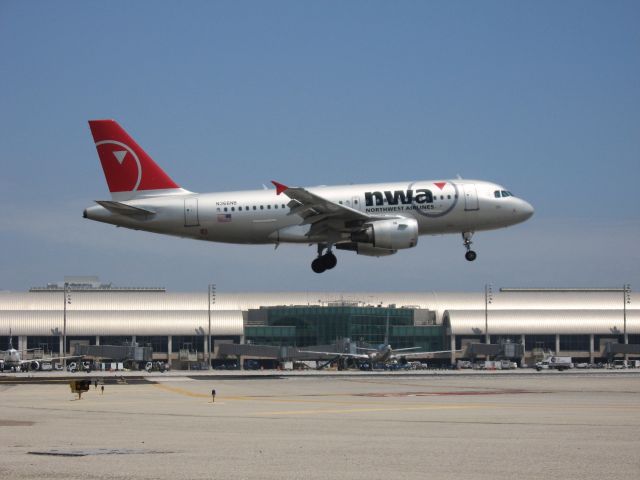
point(120, 208)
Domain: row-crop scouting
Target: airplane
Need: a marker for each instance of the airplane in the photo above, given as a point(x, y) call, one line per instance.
point(369, 219)
point(384, 353)
point(12, 359)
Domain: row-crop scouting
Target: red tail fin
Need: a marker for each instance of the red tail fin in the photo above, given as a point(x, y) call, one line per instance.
point(126, 166)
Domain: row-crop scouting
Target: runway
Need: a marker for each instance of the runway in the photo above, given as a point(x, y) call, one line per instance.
point(487, 426)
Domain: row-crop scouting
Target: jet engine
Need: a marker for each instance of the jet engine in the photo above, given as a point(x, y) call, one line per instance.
point(34, 366)
point(392, 234)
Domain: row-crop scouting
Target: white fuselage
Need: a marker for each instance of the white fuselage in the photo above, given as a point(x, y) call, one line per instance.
point(262, 216)
point(12, 358)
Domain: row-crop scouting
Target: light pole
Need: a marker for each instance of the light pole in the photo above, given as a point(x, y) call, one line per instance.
point(67, 300)
point(211, 301)
point(488, 298)
point(626, 300)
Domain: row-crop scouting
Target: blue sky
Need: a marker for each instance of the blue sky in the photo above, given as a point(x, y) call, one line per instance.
point(543, 97)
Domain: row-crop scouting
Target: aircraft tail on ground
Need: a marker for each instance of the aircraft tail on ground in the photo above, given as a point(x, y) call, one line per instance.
point(129, 170)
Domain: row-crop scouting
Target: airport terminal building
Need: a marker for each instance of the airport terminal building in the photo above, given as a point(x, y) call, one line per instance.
point(574, 322)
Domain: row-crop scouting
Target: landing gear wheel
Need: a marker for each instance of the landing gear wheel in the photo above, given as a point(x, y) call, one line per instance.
point(318, 265)
point(466, 240)
point(324, 262)
point(329, 260)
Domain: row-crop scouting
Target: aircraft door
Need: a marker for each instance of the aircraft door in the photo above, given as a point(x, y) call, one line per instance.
point(470, 197)
point(191, 212)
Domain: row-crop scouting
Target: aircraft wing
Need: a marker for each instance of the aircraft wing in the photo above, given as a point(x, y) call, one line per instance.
point(323, 214)
point(338, 354)
point(49, 359)
point(420, 354)
point(20, 351)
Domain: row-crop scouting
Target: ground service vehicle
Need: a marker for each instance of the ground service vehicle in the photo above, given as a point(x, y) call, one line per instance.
point(555, 362)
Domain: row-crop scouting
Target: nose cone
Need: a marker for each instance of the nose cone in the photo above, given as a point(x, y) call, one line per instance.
point(523, 210)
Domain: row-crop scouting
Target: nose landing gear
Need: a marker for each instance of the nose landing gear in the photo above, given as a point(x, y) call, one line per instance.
point(324, 262)
point(466, 240)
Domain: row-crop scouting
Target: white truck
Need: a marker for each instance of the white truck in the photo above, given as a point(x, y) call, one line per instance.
point(555, 362)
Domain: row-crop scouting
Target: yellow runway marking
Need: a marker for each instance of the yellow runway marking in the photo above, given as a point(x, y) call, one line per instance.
point(181, 391)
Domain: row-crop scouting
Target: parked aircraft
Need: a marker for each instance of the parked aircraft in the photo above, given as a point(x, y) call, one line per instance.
point(384, 353)
point(369, 219)
point(12, 359)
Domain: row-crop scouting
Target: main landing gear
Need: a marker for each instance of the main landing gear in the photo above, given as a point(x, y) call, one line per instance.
point(324, 262)
point(466, 239)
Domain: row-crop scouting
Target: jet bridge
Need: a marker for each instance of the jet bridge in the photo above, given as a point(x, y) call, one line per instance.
point(612, 349)
point(118, 353)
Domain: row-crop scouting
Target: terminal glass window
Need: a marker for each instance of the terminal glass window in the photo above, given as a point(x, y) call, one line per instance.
point(113, 340)
point(545, 342)
point(158, 344)
point(574, 343)
point(193, 343)
point(47, 344)
point(304, 326)
point(274, 336)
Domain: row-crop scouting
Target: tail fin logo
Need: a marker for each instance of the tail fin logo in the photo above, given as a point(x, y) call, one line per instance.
point(127, 167)
point(129, 177)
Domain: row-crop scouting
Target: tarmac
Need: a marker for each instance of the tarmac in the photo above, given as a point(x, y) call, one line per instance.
point(486, 425)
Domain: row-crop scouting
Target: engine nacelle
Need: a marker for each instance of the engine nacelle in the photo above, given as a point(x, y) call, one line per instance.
point(365, 249)
point(34, 366)
point(392, 234)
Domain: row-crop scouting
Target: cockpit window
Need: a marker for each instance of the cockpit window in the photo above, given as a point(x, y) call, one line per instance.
point(502, 194)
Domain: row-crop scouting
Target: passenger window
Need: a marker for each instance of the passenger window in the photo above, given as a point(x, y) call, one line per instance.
point(261, 207)
point(218, 209)
point(254, 207)
point(276, 205)
point(233, 209)
point(268, 207)
point(448, 197)
point(225, 209)
point(283, 205)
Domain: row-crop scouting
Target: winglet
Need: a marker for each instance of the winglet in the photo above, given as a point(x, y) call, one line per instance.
point(279, 187)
